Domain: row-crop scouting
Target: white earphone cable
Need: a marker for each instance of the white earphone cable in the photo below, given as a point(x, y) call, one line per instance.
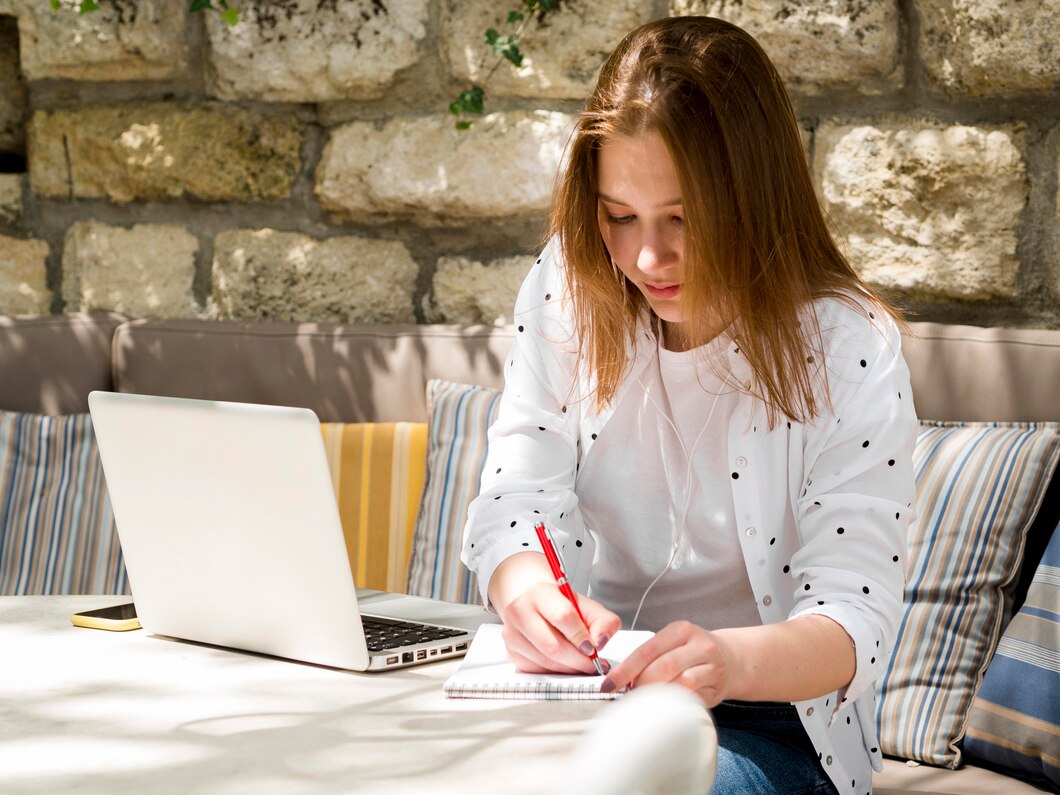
point(681, 533)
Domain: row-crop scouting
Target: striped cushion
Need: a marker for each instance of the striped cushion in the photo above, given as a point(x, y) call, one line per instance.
point(458, 416)
point(57, 532)
point(1015, 721)
point(979, 486)
point(378, 473)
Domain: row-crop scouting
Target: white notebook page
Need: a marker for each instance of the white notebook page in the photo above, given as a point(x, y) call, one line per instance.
point(485, 672)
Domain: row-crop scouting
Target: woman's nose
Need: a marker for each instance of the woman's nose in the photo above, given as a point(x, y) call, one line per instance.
point(655, 253)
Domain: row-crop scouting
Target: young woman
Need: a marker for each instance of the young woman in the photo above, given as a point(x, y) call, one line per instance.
point(711, 414)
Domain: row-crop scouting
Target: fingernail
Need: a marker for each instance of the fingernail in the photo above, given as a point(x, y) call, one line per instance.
point(605, 665)
point(587, 648)
point(602, 641)
point(608, 686)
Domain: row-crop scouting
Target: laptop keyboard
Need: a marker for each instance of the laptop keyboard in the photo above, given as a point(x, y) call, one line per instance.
point(388, 633)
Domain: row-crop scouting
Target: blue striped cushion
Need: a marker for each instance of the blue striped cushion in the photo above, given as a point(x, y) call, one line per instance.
point(458, 417)
point(1015, 720)
point(979, 487)
point(57, 532)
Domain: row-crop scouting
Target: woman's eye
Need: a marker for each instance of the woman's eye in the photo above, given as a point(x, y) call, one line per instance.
point(619, 219)
point(677, 219)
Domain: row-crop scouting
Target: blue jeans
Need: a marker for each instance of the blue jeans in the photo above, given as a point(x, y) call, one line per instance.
point(763, 749)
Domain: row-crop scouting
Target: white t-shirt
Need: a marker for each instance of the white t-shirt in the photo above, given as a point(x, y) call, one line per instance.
point(668, 446)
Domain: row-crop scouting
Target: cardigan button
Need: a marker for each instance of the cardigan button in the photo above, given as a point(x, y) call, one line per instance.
point(750, 532)
point(767, 601)
point(809, 712)
point(741, 461)
point(828, 759)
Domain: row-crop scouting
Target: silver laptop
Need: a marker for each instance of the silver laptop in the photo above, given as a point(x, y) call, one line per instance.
point(231, 536)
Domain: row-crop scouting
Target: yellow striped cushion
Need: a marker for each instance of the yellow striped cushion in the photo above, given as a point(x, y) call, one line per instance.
point(378, 472)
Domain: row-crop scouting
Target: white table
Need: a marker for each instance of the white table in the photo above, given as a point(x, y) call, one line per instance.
point(106, 712)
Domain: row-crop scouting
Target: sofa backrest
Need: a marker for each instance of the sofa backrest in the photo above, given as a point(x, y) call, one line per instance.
point(353, 373)
point(49, 363)
point(980, 374)
point(378, 373)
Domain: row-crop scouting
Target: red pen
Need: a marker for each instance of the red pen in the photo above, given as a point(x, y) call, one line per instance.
point(549, 547)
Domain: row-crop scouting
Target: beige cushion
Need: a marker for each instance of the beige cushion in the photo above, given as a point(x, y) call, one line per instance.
point(897, 777)
point(959, 372)
point(979, 374)
point(50, 363)
point(357, 373)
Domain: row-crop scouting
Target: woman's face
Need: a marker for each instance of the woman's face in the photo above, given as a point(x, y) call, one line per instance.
point(639, 208)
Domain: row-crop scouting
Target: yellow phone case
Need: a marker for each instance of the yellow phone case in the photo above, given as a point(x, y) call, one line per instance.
point(118, 618)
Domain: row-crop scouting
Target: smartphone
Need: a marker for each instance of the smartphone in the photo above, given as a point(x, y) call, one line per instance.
point(118, 618)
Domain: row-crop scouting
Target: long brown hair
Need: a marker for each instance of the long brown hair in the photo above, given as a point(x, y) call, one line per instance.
point(758, 248)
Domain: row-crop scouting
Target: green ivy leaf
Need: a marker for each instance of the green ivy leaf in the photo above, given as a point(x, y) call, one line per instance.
point(514, 16)
point(199, 5)
point(463, 125)
point(505, 46)
point(511, 52)
point(88, 5)
point(55, 5)
point(547, 6)
point(471, 100)
point(231, 16)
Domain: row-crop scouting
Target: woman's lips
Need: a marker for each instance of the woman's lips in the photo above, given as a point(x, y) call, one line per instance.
point(662, 290)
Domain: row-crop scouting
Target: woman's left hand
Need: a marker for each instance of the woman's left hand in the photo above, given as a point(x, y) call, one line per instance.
point(686, 655)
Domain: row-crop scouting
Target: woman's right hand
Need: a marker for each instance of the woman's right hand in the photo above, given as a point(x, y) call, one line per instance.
point(542, 630)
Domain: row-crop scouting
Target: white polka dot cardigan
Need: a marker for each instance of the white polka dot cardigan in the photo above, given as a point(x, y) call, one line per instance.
point(821, 507)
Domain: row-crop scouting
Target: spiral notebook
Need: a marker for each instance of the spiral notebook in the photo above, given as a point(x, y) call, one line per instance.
point(485, 672)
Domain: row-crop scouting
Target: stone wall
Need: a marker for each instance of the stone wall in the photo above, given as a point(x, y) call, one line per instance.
point(302, 165)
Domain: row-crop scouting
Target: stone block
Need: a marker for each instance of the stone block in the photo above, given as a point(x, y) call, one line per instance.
point(145, 271)
point(265, 274)
point(123, 40)
point(163, 151)
point(974, 48)
point(1056, 239)
point(563, 51)
point(467, 291)
point(10, 198)
point(12, 90)
point(926, 209)
point(819, 45)
point(311, 51)
point(422, 168)
point(23, 277)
